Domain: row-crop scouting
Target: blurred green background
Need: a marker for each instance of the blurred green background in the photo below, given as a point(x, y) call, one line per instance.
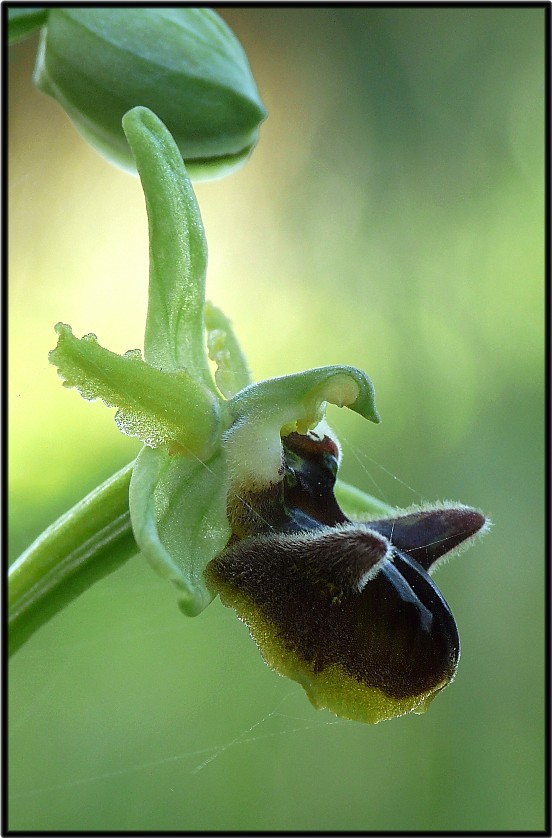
point(390, 218)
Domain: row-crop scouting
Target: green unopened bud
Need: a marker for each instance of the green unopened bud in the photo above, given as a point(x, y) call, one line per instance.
point(184, 64)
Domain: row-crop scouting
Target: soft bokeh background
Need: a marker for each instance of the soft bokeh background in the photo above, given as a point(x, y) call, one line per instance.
point(391, 218)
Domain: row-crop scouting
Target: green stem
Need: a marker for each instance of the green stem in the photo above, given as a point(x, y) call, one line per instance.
point(359, 504)
point(90, 541)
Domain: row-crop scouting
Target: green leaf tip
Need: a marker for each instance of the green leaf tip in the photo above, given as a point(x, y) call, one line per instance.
point(157, 134)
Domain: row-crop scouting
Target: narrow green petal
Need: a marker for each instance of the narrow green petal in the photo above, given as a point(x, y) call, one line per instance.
point(174, 338)
point(232, 373)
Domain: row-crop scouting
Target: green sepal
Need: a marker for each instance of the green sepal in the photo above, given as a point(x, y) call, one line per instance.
point(160, 408)
point(23, 21)
point(264, 412)
point(178, 514)
point(174, 337)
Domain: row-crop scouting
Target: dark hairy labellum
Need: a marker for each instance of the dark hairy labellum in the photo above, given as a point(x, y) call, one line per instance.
point(346, 608)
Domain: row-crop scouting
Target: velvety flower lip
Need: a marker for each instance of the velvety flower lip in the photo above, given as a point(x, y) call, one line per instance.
point(347, 608)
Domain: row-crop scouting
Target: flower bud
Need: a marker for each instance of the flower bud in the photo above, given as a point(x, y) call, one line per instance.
point(184, 64)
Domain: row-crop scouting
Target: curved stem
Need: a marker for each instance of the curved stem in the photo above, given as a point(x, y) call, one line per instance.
point(90, 541)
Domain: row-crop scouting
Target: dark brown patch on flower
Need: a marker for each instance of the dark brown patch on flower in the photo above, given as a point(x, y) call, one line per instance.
point(302, 500)
point(347, 609)
point(395, 634)
point(309, 480)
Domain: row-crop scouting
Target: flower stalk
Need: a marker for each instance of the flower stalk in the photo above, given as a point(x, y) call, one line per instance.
point(91, 540)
